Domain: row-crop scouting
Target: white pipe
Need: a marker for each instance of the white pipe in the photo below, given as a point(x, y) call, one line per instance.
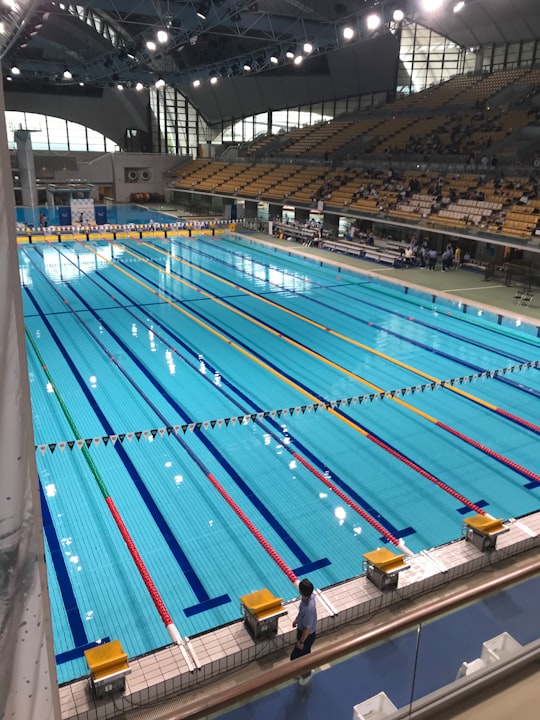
point(439, 565)
point(404, 548)
point(326, 603)
point(177, 639)
point(523, 527)
point(187, 658)
point(193, 653)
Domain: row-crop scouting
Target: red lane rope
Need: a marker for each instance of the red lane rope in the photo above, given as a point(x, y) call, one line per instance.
point(427, 475)
point(371, 520)
point(519, 420)
point(256, 533)
point(501, 458)
point(152, 590)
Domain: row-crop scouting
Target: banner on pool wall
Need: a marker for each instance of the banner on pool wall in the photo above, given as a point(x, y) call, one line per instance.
point(283, 412)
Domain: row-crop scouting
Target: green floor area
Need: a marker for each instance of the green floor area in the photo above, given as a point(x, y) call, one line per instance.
point(465, 284)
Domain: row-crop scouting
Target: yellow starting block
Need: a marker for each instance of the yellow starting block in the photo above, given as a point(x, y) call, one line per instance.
point(483, 531)
point(261, 611)
point(382, 567)
point(108, 665)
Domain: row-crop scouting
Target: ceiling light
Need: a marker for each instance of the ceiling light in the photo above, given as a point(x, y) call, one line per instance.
point(196, 83)
point(213, 80)
point(139, 86)
point(274, 60)
point(202, 10)
point(348, 33)
point(15, 70)
point(160, 83)
point(308, 47)
point(119, 86)
point(289, 54)
point(247, 67)
point(67, 75)
point(151, 45)
point(430, 5)
point(459, 6)
point(162, 36)
point(373, 21)
point(398, 15)
point(298, 59)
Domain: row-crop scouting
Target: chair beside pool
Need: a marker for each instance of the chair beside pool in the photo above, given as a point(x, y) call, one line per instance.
point(108, 665)
point(483, 531)
point(261, 611)
point(382, 568)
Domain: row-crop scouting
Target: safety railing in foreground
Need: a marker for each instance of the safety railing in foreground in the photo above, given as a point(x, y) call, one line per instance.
point(223, 698)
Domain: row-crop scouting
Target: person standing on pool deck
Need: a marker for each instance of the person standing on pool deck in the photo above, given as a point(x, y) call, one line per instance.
point(305, 624)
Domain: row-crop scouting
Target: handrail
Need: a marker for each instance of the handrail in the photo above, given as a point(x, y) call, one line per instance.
point(222, 698)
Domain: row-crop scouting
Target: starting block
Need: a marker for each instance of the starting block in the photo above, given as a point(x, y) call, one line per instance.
point(382, 567)
point(108, 665)
point(261, 611)
point(483, 531)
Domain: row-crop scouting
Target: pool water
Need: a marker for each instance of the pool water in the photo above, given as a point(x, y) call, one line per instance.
point(116, 215)
point(174, 379)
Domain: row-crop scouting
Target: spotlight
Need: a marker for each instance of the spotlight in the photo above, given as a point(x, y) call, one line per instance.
point(119, 86)
point(274, 59)
point(398, 15)
point(67, 75)
point(308, 47)
point(289, 55)
point(298, 60)
point(159, 83)
point(151, 45)
point(373, 21)
point(247, 68)
point(196, 83)
point(162, 36)
point(348, 33)
point(459, 6)
point(202, 10)
point(139, 86)
point(213, 80)
point(15, 70)
point(430, 5)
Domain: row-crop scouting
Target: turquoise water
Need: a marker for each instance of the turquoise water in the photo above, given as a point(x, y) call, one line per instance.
point(116, 215)
point(184, 363)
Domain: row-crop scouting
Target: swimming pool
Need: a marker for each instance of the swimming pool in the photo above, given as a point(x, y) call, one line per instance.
point(116, 214)
point(167, 374)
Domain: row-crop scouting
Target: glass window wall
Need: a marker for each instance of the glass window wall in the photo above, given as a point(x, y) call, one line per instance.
point(52, 133)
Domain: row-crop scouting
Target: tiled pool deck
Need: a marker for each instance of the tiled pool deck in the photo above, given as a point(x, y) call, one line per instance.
point(163, 675)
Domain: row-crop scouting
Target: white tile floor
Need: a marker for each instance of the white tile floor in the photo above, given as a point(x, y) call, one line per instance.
point(164, 674)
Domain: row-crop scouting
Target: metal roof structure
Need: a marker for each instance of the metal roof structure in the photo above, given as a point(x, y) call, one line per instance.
point(116, 43)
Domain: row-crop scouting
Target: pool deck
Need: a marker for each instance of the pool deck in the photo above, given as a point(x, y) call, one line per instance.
point(460, 284)
point(229, 656)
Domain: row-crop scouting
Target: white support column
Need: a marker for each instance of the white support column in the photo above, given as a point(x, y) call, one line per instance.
point(27, 168)
point(28, 684)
